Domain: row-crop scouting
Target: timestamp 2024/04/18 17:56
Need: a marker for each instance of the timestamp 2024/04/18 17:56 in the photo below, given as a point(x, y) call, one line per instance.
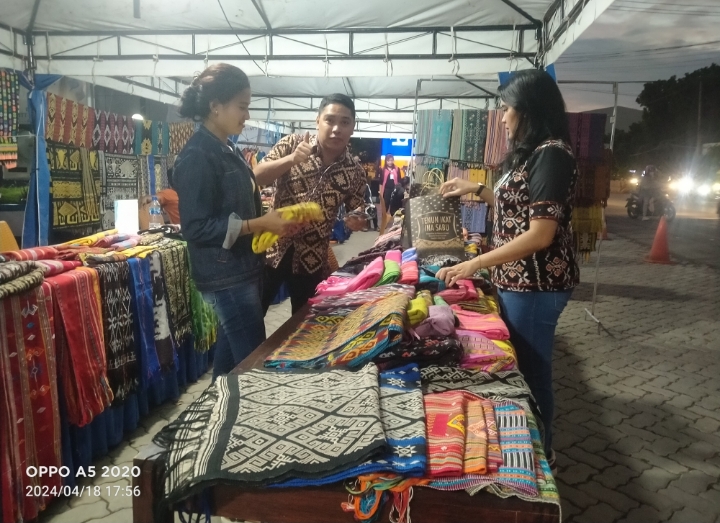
point(87, 490)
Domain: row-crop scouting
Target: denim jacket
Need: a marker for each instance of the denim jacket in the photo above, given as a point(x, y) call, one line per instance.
point(217, 192)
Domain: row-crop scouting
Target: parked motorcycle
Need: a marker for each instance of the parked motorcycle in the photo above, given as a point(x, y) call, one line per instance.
point(661, 206)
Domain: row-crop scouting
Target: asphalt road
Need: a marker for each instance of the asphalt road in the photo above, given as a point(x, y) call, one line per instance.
point(694, 235)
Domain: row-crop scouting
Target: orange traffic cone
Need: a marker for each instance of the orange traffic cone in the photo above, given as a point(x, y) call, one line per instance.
point(660, 253)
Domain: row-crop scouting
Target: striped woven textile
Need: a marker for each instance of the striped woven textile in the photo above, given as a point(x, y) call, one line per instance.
point(475, 461)
point(445, 418)
point(496, 145)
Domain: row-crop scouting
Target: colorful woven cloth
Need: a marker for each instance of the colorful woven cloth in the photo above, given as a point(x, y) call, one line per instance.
point(491, 325)
point(366, 279)
point(391, 273)
point(108, 241)
point(494, 452)
point(437, 300)
point(518, 469)
point(113, 133)
point(19, 277)
point(30, 422)
point(433, 135)
point(409, 255)
point(260, 427)
point(128, 243)
point(465, 291)
point(497, 386)
point(180, 133)
point(353, 300)
point(88, 241)
point(475, 460)
point(80, 345)
point(443, 351)
point(151, 138)
point(153, 170)
point(342, 337)
point(409, 273)
point(445, 417)
point(91, 259)
point(483, 354)
point(75, 177)
point(120, 176)
point(496, 145)
point(204, 319)
point(53, 267)
point(468, 135)
point(141, 294)
point(69, 122)
point(34, 253)
point(9, 103)
point(483, 305)
point(440, 322)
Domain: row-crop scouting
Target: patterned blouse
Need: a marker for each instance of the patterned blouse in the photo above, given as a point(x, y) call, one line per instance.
point(542, 189)
point(344, 181)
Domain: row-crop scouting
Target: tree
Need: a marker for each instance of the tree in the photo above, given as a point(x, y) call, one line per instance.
point(668, 133)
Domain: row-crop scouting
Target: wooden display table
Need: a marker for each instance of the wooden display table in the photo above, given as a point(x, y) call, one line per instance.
point(322, 504)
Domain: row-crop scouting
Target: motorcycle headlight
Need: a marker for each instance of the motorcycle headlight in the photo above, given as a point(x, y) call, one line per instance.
point(686, 185)
point(703, 190)
point(634, 181)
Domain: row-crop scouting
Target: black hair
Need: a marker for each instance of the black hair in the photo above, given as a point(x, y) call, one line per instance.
point(337, 98)
point(541, 113)
point(170, 177)
point(221, 82)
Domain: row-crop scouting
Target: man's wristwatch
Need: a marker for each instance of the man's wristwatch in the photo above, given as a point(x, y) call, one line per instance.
point(481, 187)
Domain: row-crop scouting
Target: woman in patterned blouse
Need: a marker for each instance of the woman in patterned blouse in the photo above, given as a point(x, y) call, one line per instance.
point(533, 261)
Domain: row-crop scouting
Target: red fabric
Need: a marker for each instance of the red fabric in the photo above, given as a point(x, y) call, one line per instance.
point(32, 437)
point(54, 267)
point(36, 253)
point(445, 418)
point(80, 345)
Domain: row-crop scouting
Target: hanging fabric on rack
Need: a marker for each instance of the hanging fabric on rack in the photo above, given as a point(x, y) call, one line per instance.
point(75, 178)
point(9, 104)
point(496, 143)
point(586, 225)
point(180, 133)
point(434, 130)
point(456, 140)
point(120, 175)
point(113, 133)
point(69, 122)
point(474, 133)
point(587, 132)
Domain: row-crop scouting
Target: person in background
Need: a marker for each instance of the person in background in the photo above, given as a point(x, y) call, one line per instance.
point(168, 200)
point(220, 211)
point(533, 263)
point(307, 169)
point(398, 195)
point(390, 176)
point(649, 189)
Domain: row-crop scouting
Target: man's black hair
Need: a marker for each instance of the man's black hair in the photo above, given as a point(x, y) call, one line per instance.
point(338, 98)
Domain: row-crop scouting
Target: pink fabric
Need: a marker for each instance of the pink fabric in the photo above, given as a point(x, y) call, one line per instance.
point(483, 354)
point(491, 325)
point(395, 256)
point(330, 282)
point(366, 279)
point(410, 273)
point(466, 291)
point(107, 241)
point(53, 267)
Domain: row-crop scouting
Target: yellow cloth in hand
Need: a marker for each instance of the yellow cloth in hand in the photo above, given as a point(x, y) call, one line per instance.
point(417, 311)
point(299, 213)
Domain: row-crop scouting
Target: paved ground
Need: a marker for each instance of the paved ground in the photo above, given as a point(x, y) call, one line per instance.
point(638, 407)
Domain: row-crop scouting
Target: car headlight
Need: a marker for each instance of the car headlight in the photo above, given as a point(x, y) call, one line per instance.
point(634, 181)
point(703, 190)
point(686, 185)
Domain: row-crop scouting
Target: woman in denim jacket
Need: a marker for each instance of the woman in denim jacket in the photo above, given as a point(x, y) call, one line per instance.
point(220, 210)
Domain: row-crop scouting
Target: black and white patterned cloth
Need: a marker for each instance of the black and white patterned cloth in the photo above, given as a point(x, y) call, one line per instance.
point(261, 427)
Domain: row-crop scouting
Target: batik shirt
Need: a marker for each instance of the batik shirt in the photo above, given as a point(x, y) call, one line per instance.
point(342, 182)
point(541, 189)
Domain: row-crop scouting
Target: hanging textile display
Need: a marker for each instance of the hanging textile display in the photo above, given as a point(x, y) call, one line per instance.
point(80, 345)
point(587, 133)
point(118, 322)
point(177, 286)
point(113, 133)
point(75, 178)
point(496, 143)
point(120, 177)
point(285, 412)
point(163, 340)
point(69, 122)
point(157, 166)
point(30, 424)
point(9, 105)
point(151, 138)
point(434, 132)
point(141, 295)
point(180, 133)
point(468, 135)
point(587, 226)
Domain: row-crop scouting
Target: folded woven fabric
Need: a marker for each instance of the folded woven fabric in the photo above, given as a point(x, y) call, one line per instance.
point(391, 274)
point(331, 281)
point(88, 241)
point(54, 267)
point(429, 281)
point(440, 322)
point(107, 241)
point(409, 273)
point(427, 296)
point(465, 292)
point(445, 419)
point(19, 277)
point(353, 300)
point(491, 325)
point(436, 351)
point(129, 243)
point(298, 213)
point(395, 256)
point(439, 301)
point(482, 354)
point(417, 311)
point(409, 255)
point(366, 279)
point(34, 253)
point(475, 460)
point(483, 305)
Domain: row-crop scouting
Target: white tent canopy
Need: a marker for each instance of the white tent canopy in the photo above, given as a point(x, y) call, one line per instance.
point(297, 50)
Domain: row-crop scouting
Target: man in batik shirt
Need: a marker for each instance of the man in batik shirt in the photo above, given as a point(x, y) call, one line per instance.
point(307, 169)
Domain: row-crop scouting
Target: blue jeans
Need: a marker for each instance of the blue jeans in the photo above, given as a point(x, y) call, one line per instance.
point(531, 318)
point(241, 328)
